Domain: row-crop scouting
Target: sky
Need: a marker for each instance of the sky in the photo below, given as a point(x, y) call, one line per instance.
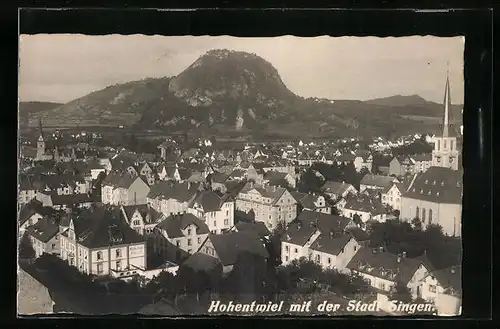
point(63, 67)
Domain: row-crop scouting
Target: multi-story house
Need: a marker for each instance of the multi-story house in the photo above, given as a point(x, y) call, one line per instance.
point(363, 160)
point(270, 204)
point(272, 177)
point(401, 165)
point(65, 201)
point(44, 237)
point(124, 189)
point(217, 211)
point(226, 248)
point(142, 218)
point(172, 197)
point(179, 236)
point(383, 270)
point(99, 242)
point(337, 190)
point(31, 212)
point(366, 207)
point(422, 162)
point(312, 202)
point(392, 196)
point(319, 237)
point(27, 189)
point(444, 289)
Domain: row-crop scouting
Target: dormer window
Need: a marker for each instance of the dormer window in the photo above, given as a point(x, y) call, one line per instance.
point(426, 181)
point(434, 182)
point(442, 183)
point(421, 191)
point(429, 193)
point(437, 193)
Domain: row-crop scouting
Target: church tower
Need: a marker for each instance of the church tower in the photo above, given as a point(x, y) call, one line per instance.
point(40, 144)
point(445, 153)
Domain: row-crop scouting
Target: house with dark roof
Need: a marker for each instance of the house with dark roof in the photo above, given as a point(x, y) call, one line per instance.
point(320, 237)
point(435, 197)
point(170, 197)
point(392, 196)
point(273, 177)
point(142, 218)
point(179, 236)
point(44, 236)
point(27, 188)
point(217, 211)
point(376, 182)
point(271, 204)
point(312, 202)
point(124, 189)
point(444, 289)
point(65, 201)
point(99, 242)
point(31, 212)
point(227, 247)
point(383, 270)
point(401, 165)
point(258, 227)
point(367, 207)
point(337, 190)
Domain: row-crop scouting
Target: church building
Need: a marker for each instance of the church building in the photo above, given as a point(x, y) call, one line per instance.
point(435, 196)
point(43, 152)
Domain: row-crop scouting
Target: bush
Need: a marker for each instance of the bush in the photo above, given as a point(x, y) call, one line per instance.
point(26, 250)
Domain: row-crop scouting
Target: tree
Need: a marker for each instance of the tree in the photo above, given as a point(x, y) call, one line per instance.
point(357, 220)
point(309, 182)
point(416, 223)
point(401, 292)
point(26, 250)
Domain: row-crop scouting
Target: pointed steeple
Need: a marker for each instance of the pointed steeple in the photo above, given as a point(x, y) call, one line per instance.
point(40, 128)
point(447, 107)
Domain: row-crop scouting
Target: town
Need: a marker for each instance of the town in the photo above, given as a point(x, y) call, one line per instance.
point(167, 226)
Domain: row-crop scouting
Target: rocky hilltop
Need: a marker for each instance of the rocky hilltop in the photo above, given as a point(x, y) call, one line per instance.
point(236, 92)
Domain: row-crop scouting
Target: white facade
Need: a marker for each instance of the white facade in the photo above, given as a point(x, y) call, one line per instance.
point(217, 221)
point(392, 198)
point(446, 304)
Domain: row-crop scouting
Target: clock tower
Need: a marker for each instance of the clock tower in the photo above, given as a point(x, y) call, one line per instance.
point(445, 153)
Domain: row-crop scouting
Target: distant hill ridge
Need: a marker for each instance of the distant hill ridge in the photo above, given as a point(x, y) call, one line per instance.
point(236, 92)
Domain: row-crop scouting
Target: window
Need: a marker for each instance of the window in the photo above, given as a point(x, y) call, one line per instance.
point(99, 255)
point(381, 285)
point(451, 145)
point(444, 144)
point(227, 213)
point(199, 240)
point(53, 246)
point(178, 243)
point(189, 242)
point(215, 223)
point(355, 248)
point(286, 258)
point(318, 258)
point(417, 212)
point(432, 288)
point(99, 269)
point(189, 231)
point(286, 248)
point(296, 250)
point(118, 265)
point(423, 215)
point(438, 144)
point(226, 221)
point(430, 216)
point(269, 216)
point(329, 260)
point(118, 253)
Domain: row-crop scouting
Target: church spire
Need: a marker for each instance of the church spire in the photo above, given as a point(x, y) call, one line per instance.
point(40, 128)
point(447, 107)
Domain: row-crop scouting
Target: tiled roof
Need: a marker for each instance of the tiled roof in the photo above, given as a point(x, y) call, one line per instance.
point(365, 203)
point(258, 227)
point(331, 244)
point(385, 265)
point(100, 227)
point(148, 214)
point(337, 188)
point(377, 180)
point(119, 180)
point(201, 262)
point(208, 200)
point(275, 175)
point(70, 199)
point(44, 230)
point(439, 185)
point(300, 230)
point(174, 224)
point(171, 190)
point(271, 192)
point(449, 278)
point(31, 208)
point(228, 246)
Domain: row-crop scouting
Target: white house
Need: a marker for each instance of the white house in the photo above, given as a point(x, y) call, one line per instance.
point(319, 237)
point(98, 242)
point(444, 289)
point(216, 211)
point(392, 196)
point(142, 218)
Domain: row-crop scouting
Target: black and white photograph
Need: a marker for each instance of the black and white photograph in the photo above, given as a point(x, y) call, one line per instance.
point(243, 176)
